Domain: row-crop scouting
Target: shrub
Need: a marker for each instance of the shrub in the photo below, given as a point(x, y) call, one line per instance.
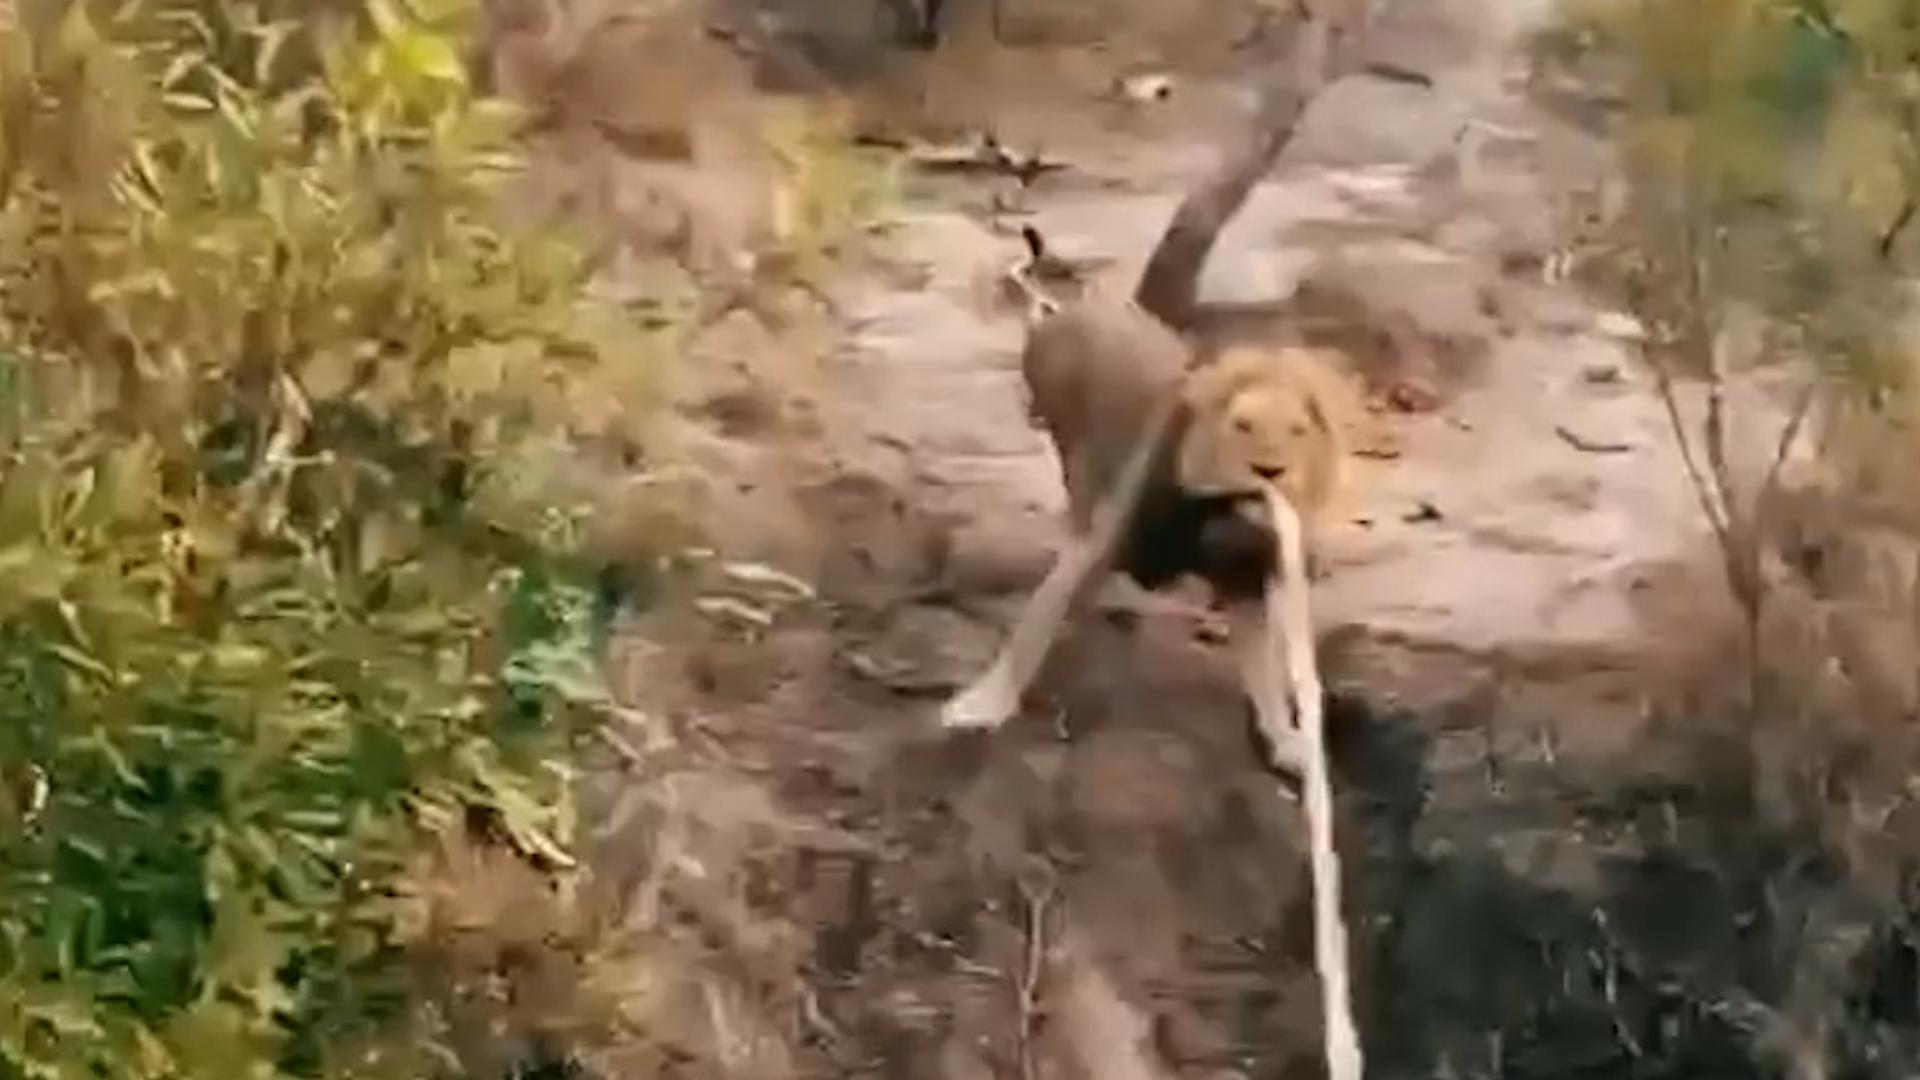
point(285, 424)
point(1771, 149)
point(826, 191)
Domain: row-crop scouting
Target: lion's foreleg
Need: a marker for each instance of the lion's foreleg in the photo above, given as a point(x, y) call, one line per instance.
point(995, 696)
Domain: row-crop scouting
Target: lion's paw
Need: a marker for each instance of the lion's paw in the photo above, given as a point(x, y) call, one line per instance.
point(988, 703)
point(1281, 744)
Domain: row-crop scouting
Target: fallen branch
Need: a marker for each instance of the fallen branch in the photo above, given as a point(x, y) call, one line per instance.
point(985, 156)
point(1883, 245)
point(1391, 72)
point(1037, 897)
point(1290, 628)
point(1589, 446)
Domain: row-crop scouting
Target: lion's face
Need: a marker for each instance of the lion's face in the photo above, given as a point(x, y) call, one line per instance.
point(1260, 418)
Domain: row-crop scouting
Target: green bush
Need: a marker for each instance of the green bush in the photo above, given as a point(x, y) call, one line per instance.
point(285, 427)
point(827, 191)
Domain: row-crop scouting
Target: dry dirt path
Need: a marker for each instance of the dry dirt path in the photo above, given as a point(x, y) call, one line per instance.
point(1499, 589)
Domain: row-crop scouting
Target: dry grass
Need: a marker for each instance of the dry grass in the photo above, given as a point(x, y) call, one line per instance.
point(666, 953)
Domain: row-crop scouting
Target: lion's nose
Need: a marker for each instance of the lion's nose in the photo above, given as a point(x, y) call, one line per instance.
point(1270, 472)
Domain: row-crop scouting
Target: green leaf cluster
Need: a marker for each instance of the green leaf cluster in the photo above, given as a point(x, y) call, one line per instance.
point(1774, 152)
point(826, 189)
point(289, 529)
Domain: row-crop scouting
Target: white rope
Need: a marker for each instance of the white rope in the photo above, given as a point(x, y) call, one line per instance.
point(1290, 629)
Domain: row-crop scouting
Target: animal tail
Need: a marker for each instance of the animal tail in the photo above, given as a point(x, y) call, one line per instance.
point(1036, 244)
point(1169, 286)
point(1039, 303)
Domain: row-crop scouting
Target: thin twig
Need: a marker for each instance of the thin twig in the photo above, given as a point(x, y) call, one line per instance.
point(1763, 500)
point(1796, 420)
point(1739, 524)
point(1589, 446)
point(1697, 479)
point(1040, 305)
point(1038, 897)
point(1913, 602)
point(1287, 607)
point(1884, 245)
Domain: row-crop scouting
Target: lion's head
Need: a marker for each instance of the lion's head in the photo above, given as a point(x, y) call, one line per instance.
point(1258, 416)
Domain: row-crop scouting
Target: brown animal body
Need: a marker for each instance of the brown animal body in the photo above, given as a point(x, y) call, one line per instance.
point(1165, 467)
point(1096, 373)
point(1165, 463)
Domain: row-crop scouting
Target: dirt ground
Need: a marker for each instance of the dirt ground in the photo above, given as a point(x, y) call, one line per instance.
point(1109, 887)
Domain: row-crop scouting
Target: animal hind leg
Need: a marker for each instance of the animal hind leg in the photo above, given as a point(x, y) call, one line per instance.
point(994, 697)
point(1082, 483)
point(1256, 649)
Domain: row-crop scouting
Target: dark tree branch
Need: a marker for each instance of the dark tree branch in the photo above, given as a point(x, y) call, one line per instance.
point(1323, 51)
point(1891, 236)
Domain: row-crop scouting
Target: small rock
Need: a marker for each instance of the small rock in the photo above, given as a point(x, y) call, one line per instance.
point(1145, 87)
point(1413, 396)
point(1601, 375)
point(1424, 512)
point(1521, 263)
point(1488, 303)
point(1619, 326)
point(648, 143)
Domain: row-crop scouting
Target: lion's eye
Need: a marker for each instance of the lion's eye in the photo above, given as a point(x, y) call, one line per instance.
point(1243, 425)
point(1299, 429)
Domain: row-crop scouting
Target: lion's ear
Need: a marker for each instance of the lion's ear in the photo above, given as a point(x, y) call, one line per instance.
point(1206, 388)
point(1329, 397)
point(1317, 412)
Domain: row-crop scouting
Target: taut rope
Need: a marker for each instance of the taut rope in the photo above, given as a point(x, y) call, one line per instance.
point(1290, 631)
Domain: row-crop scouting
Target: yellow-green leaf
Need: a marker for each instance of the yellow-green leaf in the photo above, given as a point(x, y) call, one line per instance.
point(185, 102)
point(385, 20)
point(77, 38)
point(421, 53)
point(81, 662)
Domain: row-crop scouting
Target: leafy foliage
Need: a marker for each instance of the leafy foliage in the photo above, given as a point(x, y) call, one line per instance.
point(826, 189)
point(285, 421)
point(1771, 146)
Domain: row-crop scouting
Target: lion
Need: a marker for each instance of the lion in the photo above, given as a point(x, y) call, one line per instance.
point(1164, 470)
point(1168, 464)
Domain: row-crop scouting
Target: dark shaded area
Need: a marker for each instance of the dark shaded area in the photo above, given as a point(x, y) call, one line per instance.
point(1544, 925)
point(1703, 920)
point(1208, 536)
point(813, 44)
